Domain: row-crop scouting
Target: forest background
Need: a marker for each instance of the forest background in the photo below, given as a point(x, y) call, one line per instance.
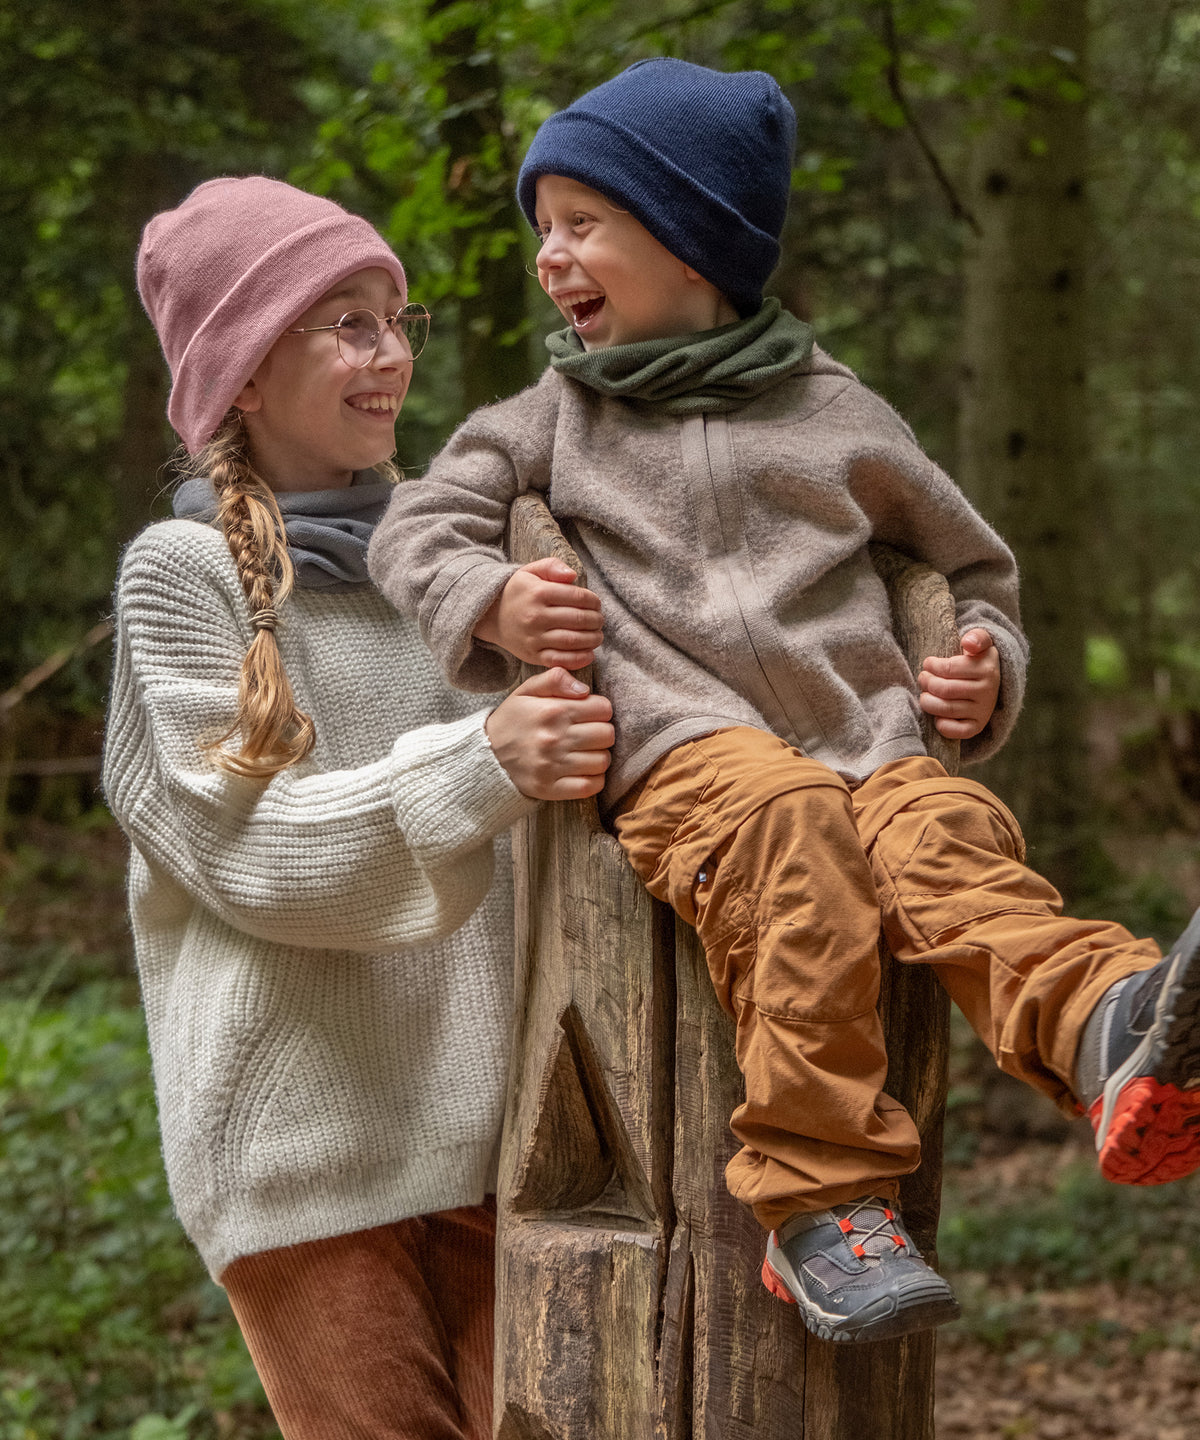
point(996, 222)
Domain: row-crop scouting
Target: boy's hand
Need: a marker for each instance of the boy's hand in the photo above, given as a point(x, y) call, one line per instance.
point(961, 690)
point(543, 617)
point(553, 737)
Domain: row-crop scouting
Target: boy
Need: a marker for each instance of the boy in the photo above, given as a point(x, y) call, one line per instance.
point(720, 479)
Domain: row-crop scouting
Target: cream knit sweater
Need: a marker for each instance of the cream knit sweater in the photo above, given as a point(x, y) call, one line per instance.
point(325, 964)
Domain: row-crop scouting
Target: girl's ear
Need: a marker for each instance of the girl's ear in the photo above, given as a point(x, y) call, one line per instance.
point(249, 397)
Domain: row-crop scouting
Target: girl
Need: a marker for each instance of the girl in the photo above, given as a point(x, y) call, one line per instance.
point(324, 957)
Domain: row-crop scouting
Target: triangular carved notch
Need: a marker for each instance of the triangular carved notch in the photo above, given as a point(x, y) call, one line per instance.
point(579, 1150)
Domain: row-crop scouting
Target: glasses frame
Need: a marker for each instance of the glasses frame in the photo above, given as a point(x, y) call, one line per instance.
point(382, 322)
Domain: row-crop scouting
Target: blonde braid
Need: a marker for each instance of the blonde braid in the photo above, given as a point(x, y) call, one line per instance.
point(274, 731)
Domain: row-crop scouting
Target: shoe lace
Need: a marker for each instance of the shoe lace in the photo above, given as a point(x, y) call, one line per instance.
point(879, 1231)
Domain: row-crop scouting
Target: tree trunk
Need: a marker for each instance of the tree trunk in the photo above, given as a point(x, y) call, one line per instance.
point(1024, 440)
point(492, 325)
point(629, 1303)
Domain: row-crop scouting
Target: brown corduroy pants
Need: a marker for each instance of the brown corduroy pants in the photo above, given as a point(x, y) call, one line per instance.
point(382, 1334)
point(787, 876)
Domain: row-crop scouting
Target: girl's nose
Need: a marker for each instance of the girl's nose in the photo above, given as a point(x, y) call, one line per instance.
point(393, 348)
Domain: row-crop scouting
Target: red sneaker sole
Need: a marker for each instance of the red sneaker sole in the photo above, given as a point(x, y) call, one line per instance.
point(1154, 1134)
point(774, 1283)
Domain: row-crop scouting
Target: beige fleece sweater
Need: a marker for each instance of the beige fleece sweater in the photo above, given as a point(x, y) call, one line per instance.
point(729, 552)
point(325, 961)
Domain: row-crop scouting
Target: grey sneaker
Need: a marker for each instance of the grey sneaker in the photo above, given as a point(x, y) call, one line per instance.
point(856, 1274)
point(1138, 1069)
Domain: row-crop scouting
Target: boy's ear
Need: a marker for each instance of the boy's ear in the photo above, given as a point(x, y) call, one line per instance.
point(249, 397)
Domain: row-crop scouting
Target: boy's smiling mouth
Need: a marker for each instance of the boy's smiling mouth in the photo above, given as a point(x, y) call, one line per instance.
point(580, 307)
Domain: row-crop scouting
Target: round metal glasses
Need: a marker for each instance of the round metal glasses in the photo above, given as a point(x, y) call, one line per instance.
point(358, 332)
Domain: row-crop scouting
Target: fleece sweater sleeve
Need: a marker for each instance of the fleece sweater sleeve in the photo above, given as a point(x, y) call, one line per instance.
point(913, 505)
point(390, 854)
point(439, 553)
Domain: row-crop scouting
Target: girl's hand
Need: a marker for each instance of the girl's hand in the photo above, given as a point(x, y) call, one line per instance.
point(544, 618)
point(962, 690)
point(553, 737)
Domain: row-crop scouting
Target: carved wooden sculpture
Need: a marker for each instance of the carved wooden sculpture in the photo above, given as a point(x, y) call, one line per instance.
point(630, 1305)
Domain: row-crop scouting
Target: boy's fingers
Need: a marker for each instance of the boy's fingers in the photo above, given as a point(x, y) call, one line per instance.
point(565, 659)
point(564, 638)
point(957, 729)
point(550, 567)
point(584, 601)
point(950, 666)
point(976, 641)
point(957, 709)
point(588, 623)
point(952, 689)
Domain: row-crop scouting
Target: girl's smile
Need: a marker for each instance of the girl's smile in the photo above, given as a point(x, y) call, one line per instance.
point(384, 404)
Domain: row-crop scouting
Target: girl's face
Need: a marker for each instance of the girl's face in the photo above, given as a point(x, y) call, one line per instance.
point(312, 420)
point(612, 280)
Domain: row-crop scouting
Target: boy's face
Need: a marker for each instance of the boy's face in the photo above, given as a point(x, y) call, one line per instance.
point(612, 280)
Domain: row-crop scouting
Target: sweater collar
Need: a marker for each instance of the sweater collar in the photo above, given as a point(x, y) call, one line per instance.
point(327, 530)
point(711, 370)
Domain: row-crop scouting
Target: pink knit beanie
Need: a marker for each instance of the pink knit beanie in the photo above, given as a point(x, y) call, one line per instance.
point(224, 274)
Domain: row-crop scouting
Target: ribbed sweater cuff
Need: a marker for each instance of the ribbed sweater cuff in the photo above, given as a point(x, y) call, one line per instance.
point(466, 793)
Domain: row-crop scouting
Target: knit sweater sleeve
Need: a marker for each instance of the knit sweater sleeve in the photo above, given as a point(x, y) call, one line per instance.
point(388, 854)
point(438, 554)
point(913, 505)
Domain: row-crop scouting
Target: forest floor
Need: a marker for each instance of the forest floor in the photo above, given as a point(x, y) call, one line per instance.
point(1044, 1359)
point(1081, 1300)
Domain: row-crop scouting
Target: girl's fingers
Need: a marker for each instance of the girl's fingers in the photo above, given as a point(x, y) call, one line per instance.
point(594, 736)
point(587, 762)
point(575, 787)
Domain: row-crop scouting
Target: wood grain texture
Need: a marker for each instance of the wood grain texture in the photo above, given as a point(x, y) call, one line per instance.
point(629, 1299)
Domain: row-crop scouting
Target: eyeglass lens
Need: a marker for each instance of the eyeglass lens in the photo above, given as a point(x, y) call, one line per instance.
point(358, 333)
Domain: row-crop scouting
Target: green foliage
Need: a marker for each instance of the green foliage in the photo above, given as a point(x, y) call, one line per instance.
point(1083, 1230)
point(1107, 667)
point(110, 113)
point(108, 1324)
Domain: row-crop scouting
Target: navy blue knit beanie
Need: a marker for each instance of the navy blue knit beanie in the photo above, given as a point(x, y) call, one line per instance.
point(702, 158)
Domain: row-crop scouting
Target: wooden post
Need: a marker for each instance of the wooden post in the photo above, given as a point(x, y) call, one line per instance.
point(629, 1304)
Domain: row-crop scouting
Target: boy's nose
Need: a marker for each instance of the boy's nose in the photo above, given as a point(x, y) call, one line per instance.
point(552, 253)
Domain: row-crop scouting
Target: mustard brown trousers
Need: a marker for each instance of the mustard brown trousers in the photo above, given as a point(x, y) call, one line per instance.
point(787, 875)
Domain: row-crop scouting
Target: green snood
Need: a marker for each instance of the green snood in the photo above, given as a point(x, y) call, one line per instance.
point(690, 374)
